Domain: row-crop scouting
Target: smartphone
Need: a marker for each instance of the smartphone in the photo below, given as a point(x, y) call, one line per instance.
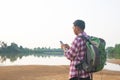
point(61, 42)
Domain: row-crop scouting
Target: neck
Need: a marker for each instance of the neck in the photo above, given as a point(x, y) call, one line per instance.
point(80, 32)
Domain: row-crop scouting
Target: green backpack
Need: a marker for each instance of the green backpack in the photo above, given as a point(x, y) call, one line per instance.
point(95, 58)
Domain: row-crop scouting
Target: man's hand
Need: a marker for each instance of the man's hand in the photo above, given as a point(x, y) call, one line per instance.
point(65, 46)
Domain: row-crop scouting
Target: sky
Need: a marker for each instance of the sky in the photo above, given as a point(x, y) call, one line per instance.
point(43, 23)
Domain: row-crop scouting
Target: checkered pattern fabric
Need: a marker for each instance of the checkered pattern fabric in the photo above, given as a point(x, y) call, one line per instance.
point(75, 54)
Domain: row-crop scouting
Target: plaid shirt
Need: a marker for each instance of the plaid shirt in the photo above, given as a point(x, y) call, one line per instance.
point(75, 54)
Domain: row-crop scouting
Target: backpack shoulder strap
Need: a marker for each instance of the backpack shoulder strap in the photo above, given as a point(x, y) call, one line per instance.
point(85, 38)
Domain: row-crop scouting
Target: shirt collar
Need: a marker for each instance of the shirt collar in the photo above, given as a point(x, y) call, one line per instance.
point(80, 34)
point(83, 34)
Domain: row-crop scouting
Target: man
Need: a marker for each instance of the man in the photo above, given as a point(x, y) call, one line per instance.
point(76, 52)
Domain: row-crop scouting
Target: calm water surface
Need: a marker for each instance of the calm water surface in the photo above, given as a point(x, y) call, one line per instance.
point(50, 60)
point(32, 60)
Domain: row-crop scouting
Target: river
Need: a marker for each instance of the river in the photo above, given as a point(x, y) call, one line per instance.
point(50, 60)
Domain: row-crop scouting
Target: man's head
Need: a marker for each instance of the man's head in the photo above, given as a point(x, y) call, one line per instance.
point(78, 26)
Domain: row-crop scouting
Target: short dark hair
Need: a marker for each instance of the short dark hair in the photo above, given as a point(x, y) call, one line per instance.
point(80, 24)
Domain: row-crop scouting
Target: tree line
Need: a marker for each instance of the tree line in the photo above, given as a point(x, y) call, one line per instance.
point(14, 48)
point(113, 52)
point(13, 51)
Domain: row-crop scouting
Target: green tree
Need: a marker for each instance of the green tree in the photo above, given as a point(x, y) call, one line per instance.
point(110, 51)
point(113, 52)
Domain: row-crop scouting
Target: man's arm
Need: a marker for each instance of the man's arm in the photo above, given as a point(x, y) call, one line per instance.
point(73, 50)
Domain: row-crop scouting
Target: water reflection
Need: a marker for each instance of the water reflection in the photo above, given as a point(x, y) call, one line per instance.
point(32, 60)
point(14, 56)
point(9, 60)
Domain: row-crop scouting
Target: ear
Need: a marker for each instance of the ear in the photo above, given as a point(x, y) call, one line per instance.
point(79, 30)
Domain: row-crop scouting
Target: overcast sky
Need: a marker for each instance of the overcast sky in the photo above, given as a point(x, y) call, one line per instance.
point(43, 23)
